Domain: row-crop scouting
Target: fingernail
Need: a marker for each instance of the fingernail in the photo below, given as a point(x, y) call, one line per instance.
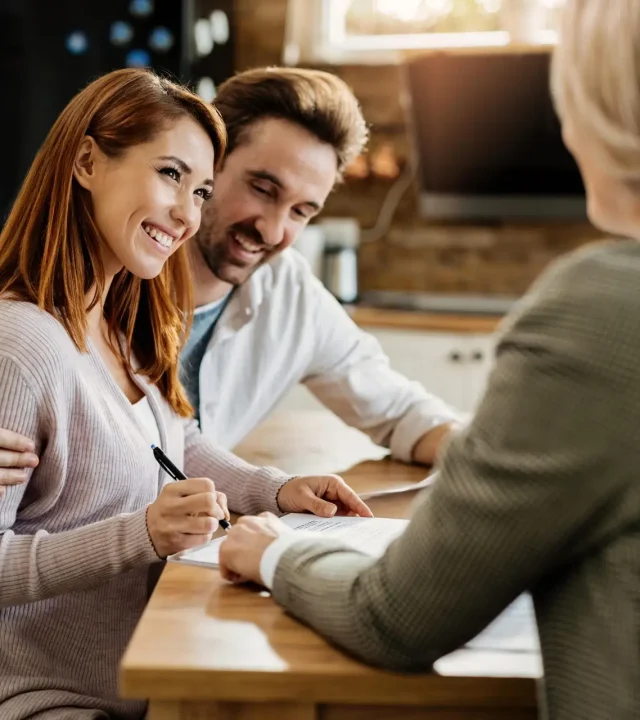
point(33, 459)
point(29, 446)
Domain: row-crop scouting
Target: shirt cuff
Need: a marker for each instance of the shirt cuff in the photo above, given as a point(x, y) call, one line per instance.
point(271, 556)
point(416, 424)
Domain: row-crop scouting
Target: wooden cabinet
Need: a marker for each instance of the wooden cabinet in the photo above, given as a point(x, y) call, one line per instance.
point(454, 366)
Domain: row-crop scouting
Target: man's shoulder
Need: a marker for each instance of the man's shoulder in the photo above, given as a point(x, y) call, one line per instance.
point(288, 277)
point(290, 264)
point(288, 295)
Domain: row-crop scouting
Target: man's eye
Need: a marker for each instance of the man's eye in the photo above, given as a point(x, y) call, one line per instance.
point(204, 193)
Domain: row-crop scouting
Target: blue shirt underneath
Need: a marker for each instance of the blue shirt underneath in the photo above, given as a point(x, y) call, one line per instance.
point(204, 321)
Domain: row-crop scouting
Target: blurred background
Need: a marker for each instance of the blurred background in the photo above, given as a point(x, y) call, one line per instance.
point(466, 191)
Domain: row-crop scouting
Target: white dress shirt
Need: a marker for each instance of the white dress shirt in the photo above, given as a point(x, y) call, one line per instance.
point(282, 327)
point(271, 556)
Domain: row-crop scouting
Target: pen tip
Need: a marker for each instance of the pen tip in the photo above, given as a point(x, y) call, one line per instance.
point(153, 447)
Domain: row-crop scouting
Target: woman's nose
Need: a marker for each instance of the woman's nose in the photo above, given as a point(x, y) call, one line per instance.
point(187, 212)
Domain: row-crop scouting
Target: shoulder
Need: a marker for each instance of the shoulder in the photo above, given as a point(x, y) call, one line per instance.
point(32, 339)
point(588, 301)
point(609, 267)
point(288, 278)
point(291, 267)
point(292, 302)
point(603, 272)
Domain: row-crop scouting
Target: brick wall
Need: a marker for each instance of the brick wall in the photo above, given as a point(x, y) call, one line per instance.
point(413, 255)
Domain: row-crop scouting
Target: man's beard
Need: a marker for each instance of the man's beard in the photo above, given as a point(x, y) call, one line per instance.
point(213, 244)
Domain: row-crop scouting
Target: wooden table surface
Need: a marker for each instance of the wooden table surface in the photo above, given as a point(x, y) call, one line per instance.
point(207, 649)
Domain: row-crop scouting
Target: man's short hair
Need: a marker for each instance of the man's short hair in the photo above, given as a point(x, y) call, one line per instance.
point(318, 101)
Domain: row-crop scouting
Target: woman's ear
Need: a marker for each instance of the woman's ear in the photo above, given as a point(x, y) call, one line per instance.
point(84, 165)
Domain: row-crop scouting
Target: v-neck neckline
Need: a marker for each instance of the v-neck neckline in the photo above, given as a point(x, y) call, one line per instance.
point(104, 370)
point(101, 366)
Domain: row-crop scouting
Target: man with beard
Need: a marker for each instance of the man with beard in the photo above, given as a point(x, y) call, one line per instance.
point(263, 322)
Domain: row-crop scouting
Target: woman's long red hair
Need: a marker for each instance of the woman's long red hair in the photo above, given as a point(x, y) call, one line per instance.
point(50, 246)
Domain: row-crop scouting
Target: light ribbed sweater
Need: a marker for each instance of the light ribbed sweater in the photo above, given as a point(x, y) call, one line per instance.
point(74, 549)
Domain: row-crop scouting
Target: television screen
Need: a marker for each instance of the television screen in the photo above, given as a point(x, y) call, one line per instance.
point(488, 139)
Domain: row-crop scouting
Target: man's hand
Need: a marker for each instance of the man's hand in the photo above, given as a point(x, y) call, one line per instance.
point(242, 549)
point(16, 454)
point(324, 495)
point(430, 445)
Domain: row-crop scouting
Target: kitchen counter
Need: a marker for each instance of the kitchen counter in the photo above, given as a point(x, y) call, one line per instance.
point(370, 317)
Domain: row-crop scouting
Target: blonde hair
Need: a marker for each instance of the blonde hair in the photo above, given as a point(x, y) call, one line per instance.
point(596, 79)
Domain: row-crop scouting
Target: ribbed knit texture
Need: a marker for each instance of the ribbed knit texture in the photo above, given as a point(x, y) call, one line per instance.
point(74, 550)
point(541, 492)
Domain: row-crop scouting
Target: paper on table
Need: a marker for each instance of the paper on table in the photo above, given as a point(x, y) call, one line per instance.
point(369, 535)
point(409, 487)
point(514, 630)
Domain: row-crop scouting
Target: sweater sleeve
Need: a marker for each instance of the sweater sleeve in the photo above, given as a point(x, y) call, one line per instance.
point(35, 567)
point(249, 489)
point(535, 483)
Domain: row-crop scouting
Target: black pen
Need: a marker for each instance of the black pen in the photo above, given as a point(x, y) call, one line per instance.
point(177, 474)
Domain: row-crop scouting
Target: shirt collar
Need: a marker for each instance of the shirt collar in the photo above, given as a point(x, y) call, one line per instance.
point(252, 293)
point(212, 305)
point(245, 301)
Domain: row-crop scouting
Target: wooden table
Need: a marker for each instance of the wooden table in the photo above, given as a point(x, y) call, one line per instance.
point(206, 649)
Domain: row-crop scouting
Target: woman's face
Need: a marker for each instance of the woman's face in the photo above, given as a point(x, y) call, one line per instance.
point(613, 205)
point(148, 202)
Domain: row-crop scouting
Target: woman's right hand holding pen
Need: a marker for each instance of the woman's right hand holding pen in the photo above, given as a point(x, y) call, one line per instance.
point(184, 515)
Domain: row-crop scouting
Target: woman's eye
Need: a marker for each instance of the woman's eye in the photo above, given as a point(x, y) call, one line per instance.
point(261, 190)
point(172, 173)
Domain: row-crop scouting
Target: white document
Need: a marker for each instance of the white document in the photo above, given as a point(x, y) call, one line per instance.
point(409, 487)
point(369, 535)
point(514, 630)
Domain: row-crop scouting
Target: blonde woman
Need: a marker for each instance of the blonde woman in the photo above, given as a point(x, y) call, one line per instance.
point(541, 492)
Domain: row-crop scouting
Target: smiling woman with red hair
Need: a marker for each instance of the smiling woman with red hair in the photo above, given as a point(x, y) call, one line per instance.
point(94, 301)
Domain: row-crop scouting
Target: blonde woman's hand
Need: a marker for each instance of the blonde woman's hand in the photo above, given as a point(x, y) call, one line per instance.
point(242, 550)
point(185, 514)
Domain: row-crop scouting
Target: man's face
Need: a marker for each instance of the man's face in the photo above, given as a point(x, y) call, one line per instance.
point(269, 188)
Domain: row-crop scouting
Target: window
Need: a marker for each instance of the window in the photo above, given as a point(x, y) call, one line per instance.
point(382, 30)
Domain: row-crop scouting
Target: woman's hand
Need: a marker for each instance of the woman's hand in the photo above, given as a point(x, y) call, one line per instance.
point(185, 514)
point(16, 454)
point(242, 549)
point(324, 495)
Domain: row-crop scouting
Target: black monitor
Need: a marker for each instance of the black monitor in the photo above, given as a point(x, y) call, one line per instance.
point(488, 139)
